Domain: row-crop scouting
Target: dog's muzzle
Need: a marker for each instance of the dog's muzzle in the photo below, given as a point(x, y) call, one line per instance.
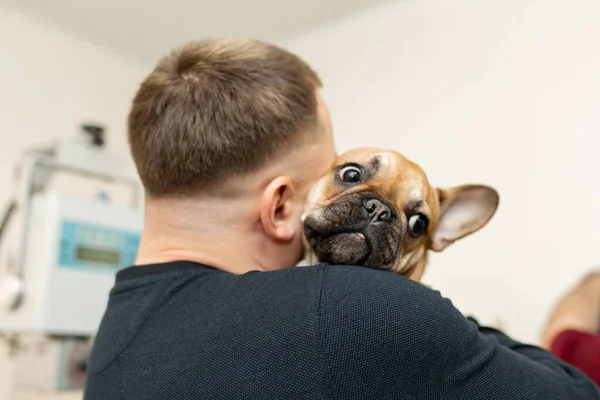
point(357, 229)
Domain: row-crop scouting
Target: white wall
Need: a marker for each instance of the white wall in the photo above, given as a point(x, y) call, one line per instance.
point(49, 83)
point(499, 92)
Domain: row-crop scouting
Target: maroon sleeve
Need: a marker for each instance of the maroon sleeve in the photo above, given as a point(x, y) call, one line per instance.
point(581, 350)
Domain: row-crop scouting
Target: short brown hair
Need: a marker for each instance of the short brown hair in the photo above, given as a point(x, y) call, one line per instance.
point(217, 108)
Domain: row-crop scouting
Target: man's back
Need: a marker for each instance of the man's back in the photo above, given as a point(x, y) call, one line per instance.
point(186, 331)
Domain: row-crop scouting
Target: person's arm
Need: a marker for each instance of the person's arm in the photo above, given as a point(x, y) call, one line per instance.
point(581, 350)
point(386, 336)
point(530, 351)
point(579, 310)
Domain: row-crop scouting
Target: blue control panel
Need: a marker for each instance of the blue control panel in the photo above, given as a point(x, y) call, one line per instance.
point(96, 247)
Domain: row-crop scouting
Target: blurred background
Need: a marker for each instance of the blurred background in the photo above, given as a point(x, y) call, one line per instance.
point(501, 92)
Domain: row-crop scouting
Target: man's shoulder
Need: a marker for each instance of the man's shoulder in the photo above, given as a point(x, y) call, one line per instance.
point(346, 280)
point(376, 303)
point(385, 329)
point(377, 299)
point(362, 283)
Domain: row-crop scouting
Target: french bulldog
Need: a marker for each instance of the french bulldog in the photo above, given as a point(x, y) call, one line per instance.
point(375, 208)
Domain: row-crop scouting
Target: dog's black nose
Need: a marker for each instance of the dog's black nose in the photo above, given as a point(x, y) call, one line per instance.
point(378, 211)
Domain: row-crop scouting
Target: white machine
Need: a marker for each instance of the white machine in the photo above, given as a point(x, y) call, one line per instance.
point(60, 249)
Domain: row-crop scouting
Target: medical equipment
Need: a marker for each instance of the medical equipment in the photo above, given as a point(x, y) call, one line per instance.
point(59, 255)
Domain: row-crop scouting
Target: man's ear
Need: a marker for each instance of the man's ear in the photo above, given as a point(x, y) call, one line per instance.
point(463, 210)
point(277, 211)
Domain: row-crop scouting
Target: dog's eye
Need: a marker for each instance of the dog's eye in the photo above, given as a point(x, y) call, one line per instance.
point(350, 174)
point(418, 224)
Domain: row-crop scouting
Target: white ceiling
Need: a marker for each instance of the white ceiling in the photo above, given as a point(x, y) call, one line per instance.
point(146, 29)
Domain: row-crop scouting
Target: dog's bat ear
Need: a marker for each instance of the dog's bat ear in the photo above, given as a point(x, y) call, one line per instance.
point(463, 210)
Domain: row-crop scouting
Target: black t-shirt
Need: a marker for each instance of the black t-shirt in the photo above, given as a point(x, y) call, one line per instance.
point(186, 331)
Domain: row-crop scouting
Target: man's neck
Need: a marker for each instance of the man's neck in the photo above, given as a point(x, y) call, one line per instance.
point(203, 232)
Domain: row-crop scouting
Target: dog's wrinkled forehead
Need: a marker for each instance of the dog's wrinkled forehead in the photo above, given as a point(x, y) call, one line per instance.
point(388, 173)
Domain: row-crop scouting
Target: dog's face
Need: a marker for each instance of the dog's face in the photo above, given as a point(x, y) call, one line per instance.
point(377, 209)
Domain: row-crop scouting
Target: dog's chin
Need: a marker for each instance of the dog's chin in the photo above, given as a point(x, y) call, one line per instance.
point(343, 249)
point(350, 248)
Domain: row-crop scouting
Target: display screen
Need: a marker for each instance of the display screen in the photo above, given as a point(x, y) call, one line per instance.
point(98, 255)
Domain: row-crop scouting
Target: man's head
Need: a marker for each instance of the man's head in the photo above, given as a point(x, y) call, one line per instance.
point(376, 208)
point(227, 136)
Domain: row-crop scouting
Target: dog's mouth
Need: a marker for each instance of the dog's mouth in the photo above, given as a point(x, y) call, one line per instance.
point(344, 248)
point(358, 229)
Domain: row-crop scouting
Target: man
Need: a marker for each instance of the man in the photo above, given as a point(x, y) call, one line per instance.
point(573, 330)
point(228, 136)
